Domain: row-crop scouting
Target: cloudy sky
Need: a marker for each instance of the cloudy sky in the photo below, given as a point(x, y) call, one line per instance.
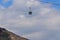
point(43, 24)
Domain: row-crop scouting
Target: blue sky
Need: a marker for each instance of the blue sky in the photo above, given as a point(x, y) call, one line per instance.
point(10, 2)
point(53, 1)
point(43, 24)
point(6, 4)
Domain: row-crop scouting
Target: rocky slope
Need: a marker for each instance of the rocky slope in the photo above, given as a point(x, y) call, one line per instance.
point(7, 35)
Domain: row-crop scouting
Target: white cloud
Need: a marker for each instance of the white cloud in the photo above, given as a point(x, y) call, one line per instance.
point(6, 0)
point(32, 3)
point(35, 35)
point(22, 16)
point(44, 18)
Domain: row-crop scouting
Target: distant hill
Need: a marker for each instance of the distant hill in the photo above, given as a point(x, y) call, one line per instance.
point(7, 35)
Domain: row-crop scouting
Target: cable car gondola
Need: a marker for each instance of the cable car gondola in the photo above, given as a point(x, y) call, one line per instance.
point(30, 12)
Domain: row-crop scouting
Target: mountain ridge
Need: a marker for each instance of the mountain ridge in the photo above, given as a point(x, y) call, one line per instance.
point(12, 36)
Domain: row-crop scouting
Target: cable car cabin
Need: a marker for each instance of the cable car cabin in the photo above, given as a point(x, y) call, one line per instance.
point(30, 12)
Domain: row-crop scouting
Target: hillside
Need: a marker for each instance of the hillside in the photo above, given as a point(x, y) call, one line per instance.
point(7, 35)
